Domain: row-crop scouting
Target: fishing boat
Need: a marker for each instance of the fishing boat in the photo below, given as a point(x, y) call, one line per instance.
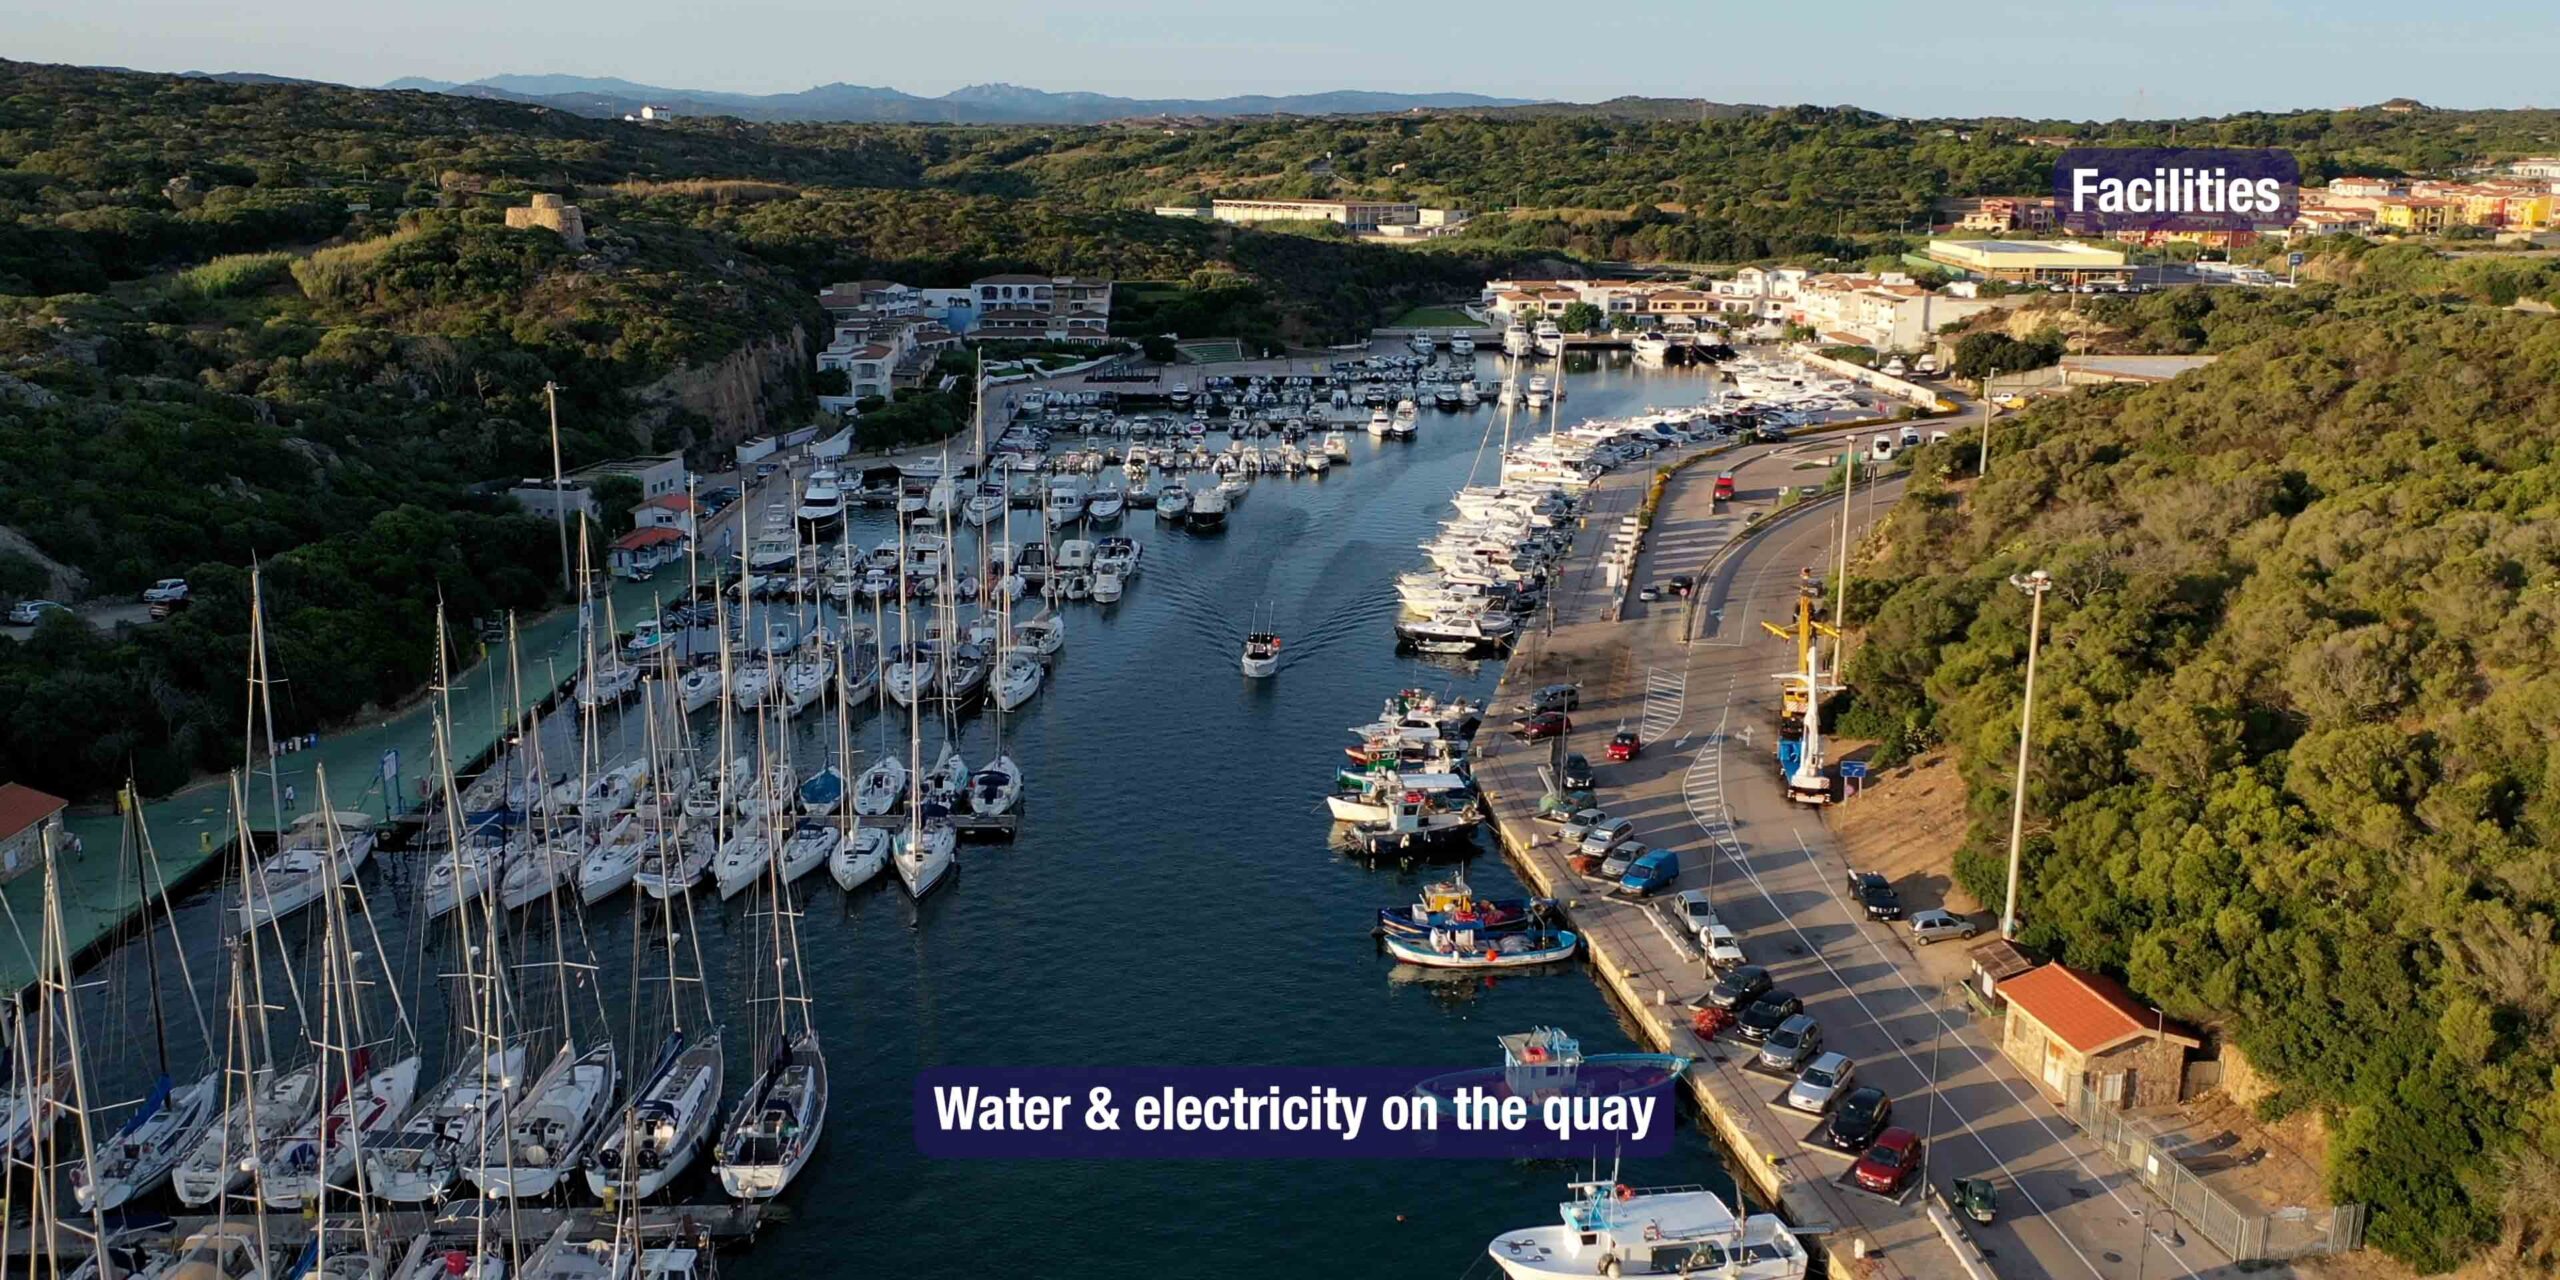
point(548, 1130)
point(1261, 655)
point(421, 1161)
point(778, 1122)
point(1544, 1062)
point(1452, 904)
point(663, 1129)
point(861, 855)
point(318, 849)
point(1610, 1228)
point(1414, 827)
point(1471, 948)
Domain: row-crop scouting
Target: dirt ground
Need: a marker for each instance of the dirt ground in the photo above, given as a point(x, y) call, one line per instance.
point(1907, 824)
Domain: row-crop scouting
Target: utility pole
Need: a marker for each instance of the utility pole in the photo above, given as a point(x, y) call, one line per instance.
point(1840, 588)
point(559, 514)
point(2035, 585)
point(1985, 469)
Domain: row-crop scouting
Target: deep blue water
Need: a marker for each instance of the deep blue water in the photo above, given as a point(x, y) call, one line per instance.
point(1171, 900)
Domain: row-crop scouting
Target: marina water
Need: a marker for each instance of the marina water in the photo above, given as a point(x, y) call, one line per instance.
point(1172, 899)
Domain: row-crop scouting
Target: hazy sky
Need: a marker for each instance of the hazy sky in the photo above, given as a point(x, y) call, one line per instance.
point(2169, 58)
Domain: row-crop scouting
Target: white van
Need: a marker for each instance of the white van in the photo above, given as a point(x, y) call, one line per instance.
point(1881, 450)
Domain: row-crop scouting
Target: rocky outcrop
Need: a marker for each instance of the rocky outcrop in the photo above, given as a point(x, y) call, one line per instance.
point(747, 392)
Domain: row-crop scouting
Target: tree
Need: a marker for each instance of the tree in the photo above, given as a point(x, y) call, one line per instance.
point(1159, 349)
point(1979, 354)
point(616, 497)
point(1581, 317)
point(831, 382)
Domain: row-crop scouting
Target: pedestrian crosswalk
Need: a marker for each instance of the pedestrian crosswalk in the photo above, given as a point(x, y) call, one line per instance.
point(1666, 693)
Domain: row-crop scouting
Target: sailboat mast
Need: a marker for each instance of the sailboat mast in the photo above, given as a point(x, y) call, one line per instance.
point(58, 950)
point(132, 806)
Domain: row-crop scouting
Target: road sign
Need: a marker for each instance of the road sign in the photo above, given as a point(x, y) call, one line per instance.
point(1853, 768)
point(2293, 259)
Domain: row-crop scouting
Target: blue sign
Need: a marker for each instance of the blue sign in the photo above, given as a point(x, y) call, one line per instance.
point(2293, 259)
point(1853, 768)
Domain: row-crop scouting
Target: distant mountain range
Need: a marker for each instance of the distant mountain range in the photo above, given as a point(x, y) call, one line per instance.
point(977, 104)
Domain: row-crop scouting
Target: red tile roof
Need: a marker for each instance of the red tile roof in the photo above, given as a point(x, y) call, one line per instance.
point(643, 539)
point(2091, 1012)
point(670, 502)
point(22, 807)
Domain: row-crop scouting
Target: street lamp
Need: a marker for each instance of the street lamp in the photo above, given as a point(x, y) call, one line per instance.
point(1984, 470)
point(2035, 585)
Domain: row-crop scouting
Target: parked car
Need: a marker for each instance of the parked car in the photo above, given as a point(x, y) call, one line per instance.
point(1739, 987)
point(1888, 1164)
point(1614, 863)
point(1724, 951)
point(1556, 697)
point(1696, 909)
point(27, 613)
point(1608, 835)
point(1577, 775)
point(1545, 724)
point(1876, 894)
point(165, 591)
point(1766, 1014)
point(1821, 1083)
point(1864, 1112)
point(1796, 1039)
point(1656, 871)
point(1580, 826)
point(1938, 922)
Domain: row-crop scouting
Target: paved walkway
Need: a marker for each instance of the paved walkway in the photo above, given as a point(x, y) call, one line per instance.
point(1701, 675)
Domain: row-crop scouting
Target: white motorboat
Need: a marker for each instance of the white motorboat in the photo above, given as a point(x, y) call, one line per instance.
point(1380, 423)
point(1106, 504)
point(1173, 506)
point(822, 502)
point(1261, 655)
point(1337, 446)
point(860, 857)
point(323, 1151)
point(664, 1128)
point(221, 1159)
point(1108, 585)
point(741, 861)
point(1516, 341)
point(877, 790)
point(1065, 502)
point(1209, 509)
point(1548, 338)
point(1609, 1228)
point(420, 1162)
point(1536, 395)
point(997, 788)
point(777, 1124)
point(305, 863)
point(811, 843)
point(167, 1127)
point(550, 1128)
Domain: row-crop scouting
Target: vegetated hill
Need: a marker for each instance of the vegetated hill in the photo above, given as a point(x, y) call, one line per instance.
point(2294, 775)
point(973, 104)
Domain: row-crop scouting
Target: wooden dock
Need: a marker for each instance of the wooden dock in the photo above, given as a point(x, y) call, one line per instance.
point(717, 1223)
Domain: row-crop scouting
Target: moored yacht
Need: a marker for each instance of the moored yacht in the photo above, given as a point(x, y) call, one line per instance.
point(1610, 1228)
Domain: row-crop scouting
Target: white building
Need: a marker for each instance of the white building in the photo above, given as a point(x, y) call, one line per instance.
point(1359, 215)
point(1889, 312)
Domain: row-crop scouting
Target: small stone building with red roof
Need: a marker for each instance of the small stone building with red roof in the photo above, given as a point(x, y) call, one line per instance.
point(2069, 1027)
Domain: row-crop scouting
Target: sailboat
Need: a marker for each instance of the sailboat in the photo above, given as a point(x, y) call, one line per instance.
point(930, 847)
point(663, 1129)
point(173, 1118)
point(777, 1125)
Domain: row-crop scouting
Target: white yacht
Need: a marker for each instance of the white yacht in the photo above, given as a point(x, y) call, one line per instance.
point(1380, 423)
point(1612, 1229)
point(741, 860)
point(862, 854)
point(550, 1129)
point(304, 864)
point(280, 1103)
point(1549, 339)
point(1065, 501)
point(1536, 395)
point(420, 1162)
point(659, 1135)
point(1209, 509)
point(1516, 341)
point(323, 1149)
point(168, 1126)
point(822, 502)
point(777, 1124)
point(1651, 348)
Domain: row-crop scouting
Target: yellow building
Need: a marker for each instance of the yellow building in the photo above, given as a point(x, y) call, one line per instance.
point(2417, 215)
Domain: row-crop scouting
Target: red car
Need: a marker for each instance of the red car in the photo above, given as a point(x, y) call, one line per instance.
point(1624, 745)
point(1545, 724)
point(1890, 1162)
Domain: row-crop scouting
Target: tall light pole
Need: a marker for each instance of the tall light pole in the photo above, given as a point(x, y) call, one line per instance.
point(559, 514)
point(2035, 585)
point(1985, 469)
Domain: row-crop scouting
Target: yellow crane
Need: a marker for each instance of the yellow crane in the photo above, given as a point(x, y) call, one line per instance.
point(1806, 629)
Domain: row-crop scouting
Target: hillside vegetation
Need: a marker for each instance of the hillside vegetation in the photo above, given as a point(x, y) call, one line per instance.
point(2294, 770)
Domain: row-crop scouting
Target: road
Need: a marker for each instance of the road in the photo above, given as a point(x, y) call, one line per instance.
point(1699, 680)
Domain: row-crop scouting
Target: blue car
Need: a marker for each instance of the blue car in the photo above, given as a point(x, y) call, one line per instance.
point(1656, 871)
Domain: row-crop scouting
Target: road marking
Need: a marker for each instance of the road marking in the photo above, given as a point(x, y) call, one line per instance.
point(1666, 693)
point(1719, 832)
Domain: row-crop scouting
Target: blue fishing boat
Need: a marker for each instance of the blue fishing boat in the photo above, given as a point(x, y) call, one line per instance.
point(1452, 904)
point(1480, 949)
point(1545, 1062)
